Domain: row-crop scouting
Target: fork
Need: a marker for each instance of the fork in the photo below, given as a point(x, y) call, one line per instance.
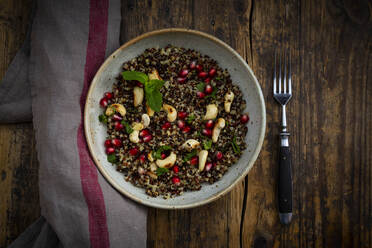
point(282, 94)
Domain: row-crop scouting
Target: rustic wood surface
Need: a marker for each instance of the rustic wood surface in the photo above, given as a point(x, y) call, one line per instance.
point(19, 201)
point(330, 119)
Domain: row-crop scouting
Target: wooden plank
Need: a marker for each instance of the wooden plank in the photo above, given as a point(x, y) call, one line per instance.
point(19, 204)
point(330, 121)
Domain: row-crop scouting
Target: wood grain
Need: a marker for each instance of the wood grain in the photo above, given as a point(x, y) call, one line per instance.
point(330, 119)
point(19, 204)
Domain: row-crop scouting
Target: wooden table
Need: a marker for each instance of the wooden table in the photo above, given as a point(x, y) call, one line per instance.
point(330, 119)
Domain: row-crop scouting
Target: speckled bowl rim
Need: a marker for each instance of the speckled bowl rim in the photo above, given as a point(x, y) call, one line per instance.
point(212, 197)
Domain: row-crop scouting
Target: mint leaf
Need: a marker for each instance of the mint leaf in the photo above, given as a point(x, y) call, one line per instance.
point(161, 171)
point(235, 146)
point(200, 87)
point(153, 96)
point(188, 156)
point(190, 118)
point(207, 144)
point(128, 128)
point(111, 158)
point(135, 75)
point(102, 118)
point(157, 153)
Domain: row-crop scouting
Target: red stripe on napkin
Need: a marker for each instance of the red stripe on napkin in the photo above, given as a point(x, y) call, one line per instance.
point(95, 55)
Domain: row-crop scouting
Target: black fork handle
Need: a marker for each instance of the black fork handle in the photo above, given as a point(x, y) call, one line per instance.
point(285, 181)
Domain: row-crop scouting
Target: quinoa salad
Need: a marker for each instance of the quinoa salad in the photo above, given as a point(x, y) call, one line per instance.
point(174, 120)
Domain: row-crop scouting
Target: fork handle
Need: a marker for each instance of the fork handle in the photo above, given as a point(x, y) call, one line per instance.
point(285, 180)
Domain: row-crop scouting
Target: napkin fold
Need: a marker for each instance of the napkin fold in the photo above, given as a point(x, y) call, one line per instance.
point(69, 41)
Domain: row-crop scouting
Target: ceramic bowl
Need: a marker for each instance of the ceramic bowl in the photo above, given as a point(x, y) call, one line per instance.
point(241, 75)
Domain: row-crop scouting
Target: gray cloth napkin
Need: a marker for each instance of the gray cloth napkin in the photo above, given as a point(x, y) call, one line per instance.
point(69, 41)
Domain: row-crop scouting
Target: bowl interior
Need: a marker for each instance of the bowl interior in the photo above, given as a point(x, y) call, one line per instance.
point(241, 75)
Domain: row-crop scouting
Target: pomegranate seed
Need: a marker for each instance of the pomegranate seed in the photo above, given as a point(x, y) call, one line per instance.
point(199, 67)
point(183, 73)
point(116, 142)
point(166, 125)
point(142, 158)
point(202, 74)
point(108, 95)
point(208, 166)
point(118, 126)
point(147, 138)
point(219, 155)
point(192, 65)
point(212, 72)
point(186, 129)
point(144, 132)
point(103, 102)
point(176, 180)
point(200, 94)
point(194, 160)
point(181, 80)
point(117, 117)
point(107, 143)
point(207, 132)
point(207, 80)
point(208, 89)
point(214, 164)
point(110, 150)
point(180, 124)
point(133, 151)
point(209, 124)
point(163, 156)
point(176, 169)
point(139, 84)
point(244, 118)
point(182, 115)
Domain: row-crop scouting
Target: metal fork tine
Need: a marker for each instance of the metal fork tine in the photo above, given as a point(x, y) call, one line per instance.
point(285, 73)
point(274, 77)
point(289, 75)
point(280, 73)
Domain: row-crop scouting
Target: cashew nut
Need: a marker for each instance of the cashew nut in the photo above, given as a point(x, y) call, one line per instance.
point(150, 112)
point(137, 126)
point(154, 75)
point(167, 162)
point(116, 107)
point(229, 98)
point(203, 154)
point(217, 129)
point(133, 137)
point(190, 144)
point(212, 112)
point(138, 96)
point(172, 112)
point(145, 120)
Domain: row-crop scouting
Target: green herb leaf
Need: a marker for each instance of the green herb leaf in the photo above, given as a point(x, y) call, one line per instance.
point(102, 118)
point(235, 146)
point(128, 128)
point(190, 118)
point(207, 144)
point(213, 94)
point(157, 154)
point(135, 75)
point(226, 124)
point(153, 96)
point(218, 78)
point(188, 156)
point(161, 171)
point(200, 86)
point(111, 158)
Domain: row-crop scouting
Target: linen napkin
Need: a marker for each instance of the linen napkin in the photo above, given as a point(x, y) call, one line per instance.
point(69, 41)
